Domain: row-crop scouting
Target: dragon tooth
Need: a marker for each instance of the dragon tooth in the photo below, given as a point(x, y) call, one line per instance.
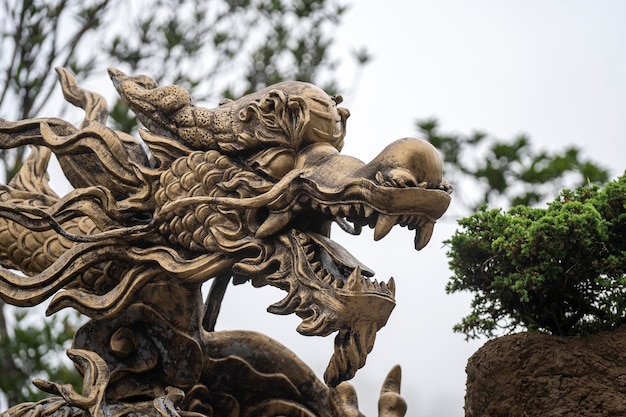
point(327, 209)
point(423, 235)
point(422, 184)
point(328, 279)
point(310, 256)
point(414, 222)
point(371, 221)
point(384, 225)
point(391, 286)
point(273, 223)
point(367, 211)
point(316, 265)
point(303, 240)
point(380, 178)
point(367, 283)
point(355, 282)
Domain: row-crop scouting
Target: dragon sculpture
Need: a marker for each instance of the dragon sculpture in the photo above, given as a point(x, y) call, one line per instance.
point(245, 192)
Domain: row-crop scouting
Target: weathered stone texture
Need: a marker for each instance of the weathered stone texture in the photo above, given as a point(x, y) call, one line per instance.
point(532, 375)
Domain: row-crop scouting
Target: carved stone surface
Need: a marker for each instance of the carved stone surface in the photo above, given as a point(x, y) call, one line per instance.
point(246, 191)
point(534, 374)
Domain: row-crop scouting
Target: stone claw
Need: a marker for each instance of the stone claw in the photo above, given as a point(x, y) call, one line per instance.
point(96, 373)
point(344, 400)
point(391, 403)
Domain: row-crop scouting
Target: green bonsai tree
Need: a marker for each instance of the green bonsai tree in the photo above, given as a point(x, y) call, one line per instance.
point(560, 269)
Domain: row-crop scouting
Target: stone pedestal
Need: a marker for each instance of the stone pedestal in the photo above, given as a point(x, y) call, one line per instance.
point(530, 374)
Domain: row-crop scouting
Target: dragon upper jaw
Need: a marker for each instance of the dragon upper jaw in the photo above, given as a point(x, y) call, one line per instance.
point(374, 215)
point(403, 186)
point(360, 202)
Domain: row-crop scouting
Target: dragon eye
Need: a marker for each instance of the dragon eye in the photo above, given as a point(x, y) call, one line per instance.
point(280, 165)
point(274, 162)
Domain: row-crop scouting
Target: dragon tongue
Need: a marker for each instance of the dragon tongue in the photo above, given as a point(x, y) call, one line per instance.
point(339, 254)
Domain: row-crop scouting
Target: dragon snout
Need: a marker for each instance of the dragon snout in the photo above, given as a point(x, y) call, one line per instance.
point(408, 162)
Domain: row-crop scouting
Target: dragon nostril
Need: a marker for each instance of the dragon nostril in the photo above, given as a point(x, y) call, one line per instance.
point(396, 177)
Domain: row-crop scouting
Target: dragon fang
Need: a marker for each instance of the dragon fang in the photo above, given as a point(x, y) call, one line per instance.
point(245, 192)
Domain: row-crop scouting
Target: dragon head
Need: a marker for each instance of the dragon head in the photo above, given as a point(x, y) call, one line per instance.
point(267, 194)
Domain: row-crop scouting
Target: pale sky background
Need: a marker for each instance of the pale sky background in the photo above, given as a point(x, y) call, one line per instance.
point(555, 70)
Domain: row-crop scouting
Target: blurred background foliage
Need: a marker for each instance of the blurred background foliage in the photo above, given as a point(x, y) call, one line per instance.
point(505, 173)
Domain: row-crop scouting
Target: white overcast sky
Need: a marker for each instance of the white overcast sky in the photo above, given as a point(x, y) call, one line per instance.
point(555, 70)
